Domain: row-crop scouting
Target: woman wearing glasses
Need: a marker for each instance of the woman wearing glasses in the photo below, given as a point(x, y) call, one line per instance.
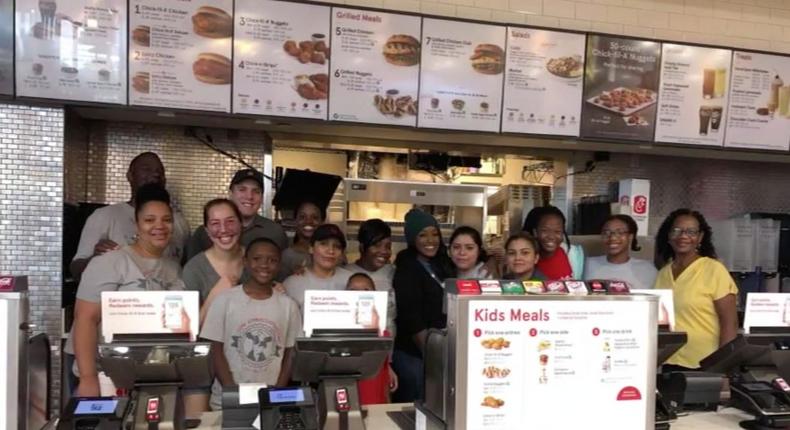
point(619, 239)
point(704, 291)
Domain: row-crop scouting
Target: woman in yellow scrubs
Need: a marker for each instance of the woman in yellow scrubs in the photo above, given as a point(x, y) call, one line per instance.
point(703, 289)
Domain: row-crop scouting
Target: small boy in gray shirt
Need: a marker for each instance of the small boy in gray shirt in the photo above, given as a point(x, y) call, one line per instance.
point(253, 328)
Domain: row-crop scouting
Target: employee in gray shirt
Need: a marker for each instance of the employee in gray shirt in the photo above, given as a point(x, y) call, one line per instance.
point(619, 237)
point(246, 191)
point(328, 247)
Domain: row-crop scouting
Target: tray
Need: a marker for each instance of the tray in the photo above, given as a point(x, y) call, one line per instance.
point(627, 111)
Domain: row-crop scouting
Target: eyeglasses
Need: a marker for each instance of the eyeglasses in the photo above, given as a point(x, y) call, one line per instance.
point(606, 234)
point(690, 232)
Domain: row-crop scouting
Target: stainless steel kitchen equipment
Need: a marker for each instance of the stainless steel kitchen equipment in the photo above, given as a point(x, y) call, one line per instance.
point(453, 205)
point(512, 202)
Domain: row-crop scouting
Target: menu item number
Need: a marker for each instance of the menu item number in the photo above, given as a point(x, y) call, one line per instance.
point(566, 67)
point(402, 50)
point(492, 402)
point(495, 343)
point(308, 51)
point(488, 59)
point(212, 22)
point(214, 69)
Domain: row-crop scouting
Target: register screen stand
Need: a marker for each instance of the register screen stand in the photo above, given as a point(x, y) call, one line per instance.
point(154, 372)
point(337, 360)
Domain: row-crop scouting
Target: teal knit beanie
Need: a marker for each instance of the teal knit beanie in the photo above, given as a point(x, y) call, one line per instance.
point(417, 220)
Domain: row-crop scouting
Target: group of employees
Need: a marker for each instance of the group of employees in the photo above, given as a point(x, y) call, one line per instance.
point(252, 279)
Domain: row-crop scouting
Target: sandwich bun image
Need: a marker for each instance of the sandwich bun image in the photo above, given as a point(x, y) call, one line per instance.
point(141, 35)
point(212, 22)
point(212, 69)
point(402, 50)
point(488, 59)
point(141, 82)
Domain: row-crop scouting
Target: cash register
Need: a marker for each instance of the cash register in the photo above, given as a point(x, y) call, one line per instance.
point(753, 363)
point(153, 370)
point(336, 360)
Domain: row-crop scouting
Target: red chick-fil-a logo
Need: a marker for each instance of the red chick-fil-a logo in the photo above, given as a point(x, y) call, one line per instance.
point(640, 205)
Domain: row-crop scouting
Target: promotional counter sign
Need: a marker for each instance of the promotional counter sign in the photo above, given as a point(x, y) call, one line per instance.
point(180, 54)
point(766, 310)
point(461, 75)
point(344, 309)
point(71, 50)
point(149, 312)
point(530, 361)
point(375, 67)
point(758, 116)
point(692, 101)
point(620, 88)
point(7, 47)
point(281, 59)
point(543, 82)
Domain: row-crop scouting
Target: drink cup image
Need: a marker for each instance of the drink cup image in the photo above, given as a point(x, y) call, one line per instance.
point(715, 118)
point(704, 120)
point(720, 84)
point(708, 83)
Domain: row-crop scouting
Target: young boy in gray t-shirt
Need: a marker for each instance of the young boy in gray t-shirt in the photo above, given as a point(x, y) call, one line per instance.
point(253, 326)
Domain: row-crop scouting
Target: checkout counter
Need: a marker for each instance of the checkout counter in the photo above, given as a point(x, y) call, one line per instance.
point(506, 360)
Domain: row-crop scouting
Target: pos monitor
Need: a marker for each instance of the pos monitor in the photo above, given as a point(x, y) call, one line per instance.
point(155, 371)
point(753, 363)
point(336, 360)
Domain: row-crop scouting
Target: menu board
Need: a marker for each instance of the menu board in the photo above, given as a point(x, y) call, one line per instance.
point(758, 116)
point(620, 88)
point(524, 356)
point(180, 54)
point(375, 67)
point(461, 75)
point(693, 95)
point(7, 47)
point(543, 82)
point(71, 50)
point(281, 58)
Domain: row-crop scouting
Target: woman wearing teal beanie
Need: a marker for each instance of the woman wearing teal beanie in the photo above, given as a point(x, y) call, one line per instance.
point(419, 293)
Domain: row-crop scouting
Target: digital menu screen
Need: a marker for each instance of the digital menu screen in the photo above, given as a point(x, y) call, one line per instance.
point(461, 75)
point(180, 54)
point(7, 47)
point(758, 115)
point(692, 101)
point(71, 50)
point(620, 88)
point(281, 59)
point(543, 82)
point(375, 67)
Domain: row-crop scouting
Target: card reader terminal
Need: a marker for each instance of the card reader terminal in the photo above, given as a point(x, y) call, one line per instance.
point(89, 413)
point(291, 408)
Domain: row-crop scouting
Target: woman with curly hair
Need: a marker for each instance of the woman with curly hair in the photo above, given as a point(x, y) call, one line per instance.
point(704, 292)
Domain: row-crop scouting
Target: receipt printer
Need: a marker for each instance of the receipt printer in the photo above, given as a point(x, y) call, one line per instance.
point(288, 408)
point(89, 413)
